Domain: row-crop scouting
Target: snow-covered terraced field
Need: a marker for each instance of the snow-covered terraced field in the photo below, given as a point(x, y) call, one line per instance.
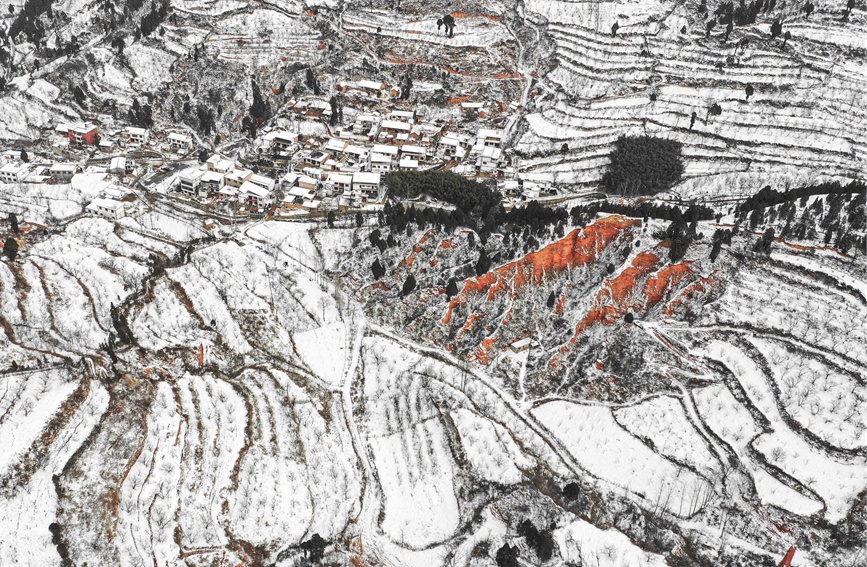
point(803, 114)
point(231, 399)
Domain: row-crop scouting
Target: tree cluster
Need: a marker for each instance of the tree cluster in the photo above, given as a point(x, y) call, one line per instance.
point(153, 18)
point(581, 214)
point(449, 22)
point(744, 14)
point(258, 113)
point(141, 115)
point(643, 165)
point(27, 20)
point(768, 197)
point(540, 541)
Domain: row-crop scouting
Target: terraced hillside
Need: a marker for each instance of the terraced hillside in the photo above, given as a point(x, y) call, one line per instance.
point(257, 398)
point(749, 106)
point(662, 74)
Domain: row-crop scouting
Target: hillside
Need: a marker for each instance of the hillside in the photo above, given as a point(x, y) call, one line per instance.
point(433, 284)
point(750, 104)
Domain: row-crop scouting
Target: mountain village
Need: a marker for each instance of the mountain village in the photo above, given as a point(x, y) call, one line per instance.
point(311, 166)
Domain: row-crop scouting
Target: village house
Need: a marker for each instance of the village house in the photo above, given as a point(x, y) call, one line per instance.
point(490, 138)
point(392, 128)
point(189, 182)
point(237, 177)
point(254, 195)
point(294, 179)
point(380, 163)
point(407, 116)
point(227, 193)
point(313, 158)
point(135, 136)
point(220, 164)
point(297, 196)
point(107, 145)
point(488, 158)
point(117, 165)
point(340, 182)
point(306, 182)
point(63, 172)
point(335, 146)
point(521, 345)
point(211, 182)
point(356, 154)
point(454, 146)
point(180, 142)
point(289, 180)
point(368, 185)
point(473, 110)
point(317, 109)
point(38, 174)
point(406, 163)
point(282, 140)
point(263, 181)
point(366, 125)
point(375, 88)
point(85, 134)
point(413, 151)
point(382, 149)
point(14, 172)
point(107, 208)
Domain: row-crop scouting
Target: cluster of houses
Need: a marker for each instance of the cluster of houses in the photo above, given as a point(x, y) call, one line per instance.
point(14, 170)
point(318, 166)
point(344, 167)
point(220, 180)
point(70, 137)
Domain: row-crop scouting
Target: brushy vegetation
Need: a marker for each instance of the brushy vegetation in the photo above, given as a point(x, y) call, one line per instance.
point(643, 165)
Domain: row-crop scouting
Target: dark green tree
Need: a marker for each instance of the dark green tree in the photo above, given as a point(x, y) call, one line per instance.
point(452, 288)
point(483, 264)
point(10, 248)
point(408, 285)
point(377, 269)
point(449, 23)
point(643, 165)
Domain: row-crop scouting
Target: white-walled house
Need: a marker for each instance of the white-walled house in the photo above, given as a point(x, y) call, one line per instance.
point(220, 164)
point(63, 172)
point(107, 208)
point(14, 172)
point(135, 136)
point(189, 181)
point(380, 163)
point(254, 195)
point(368, 184)
point(180, 142)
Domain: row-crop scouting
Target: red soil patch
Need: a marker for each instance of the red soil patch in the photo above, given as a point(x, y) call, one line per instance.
point(483, 353)
point(578, 248)
point(665, 279)
point(561, 304)
point(469, 324)
point(416, 249)
point(447, 244)
point(380, 285)
point(696, 289)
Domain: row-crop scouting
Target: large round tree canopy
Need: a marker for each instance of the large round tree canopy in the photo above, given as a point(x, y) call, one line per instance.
point(643, 165)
